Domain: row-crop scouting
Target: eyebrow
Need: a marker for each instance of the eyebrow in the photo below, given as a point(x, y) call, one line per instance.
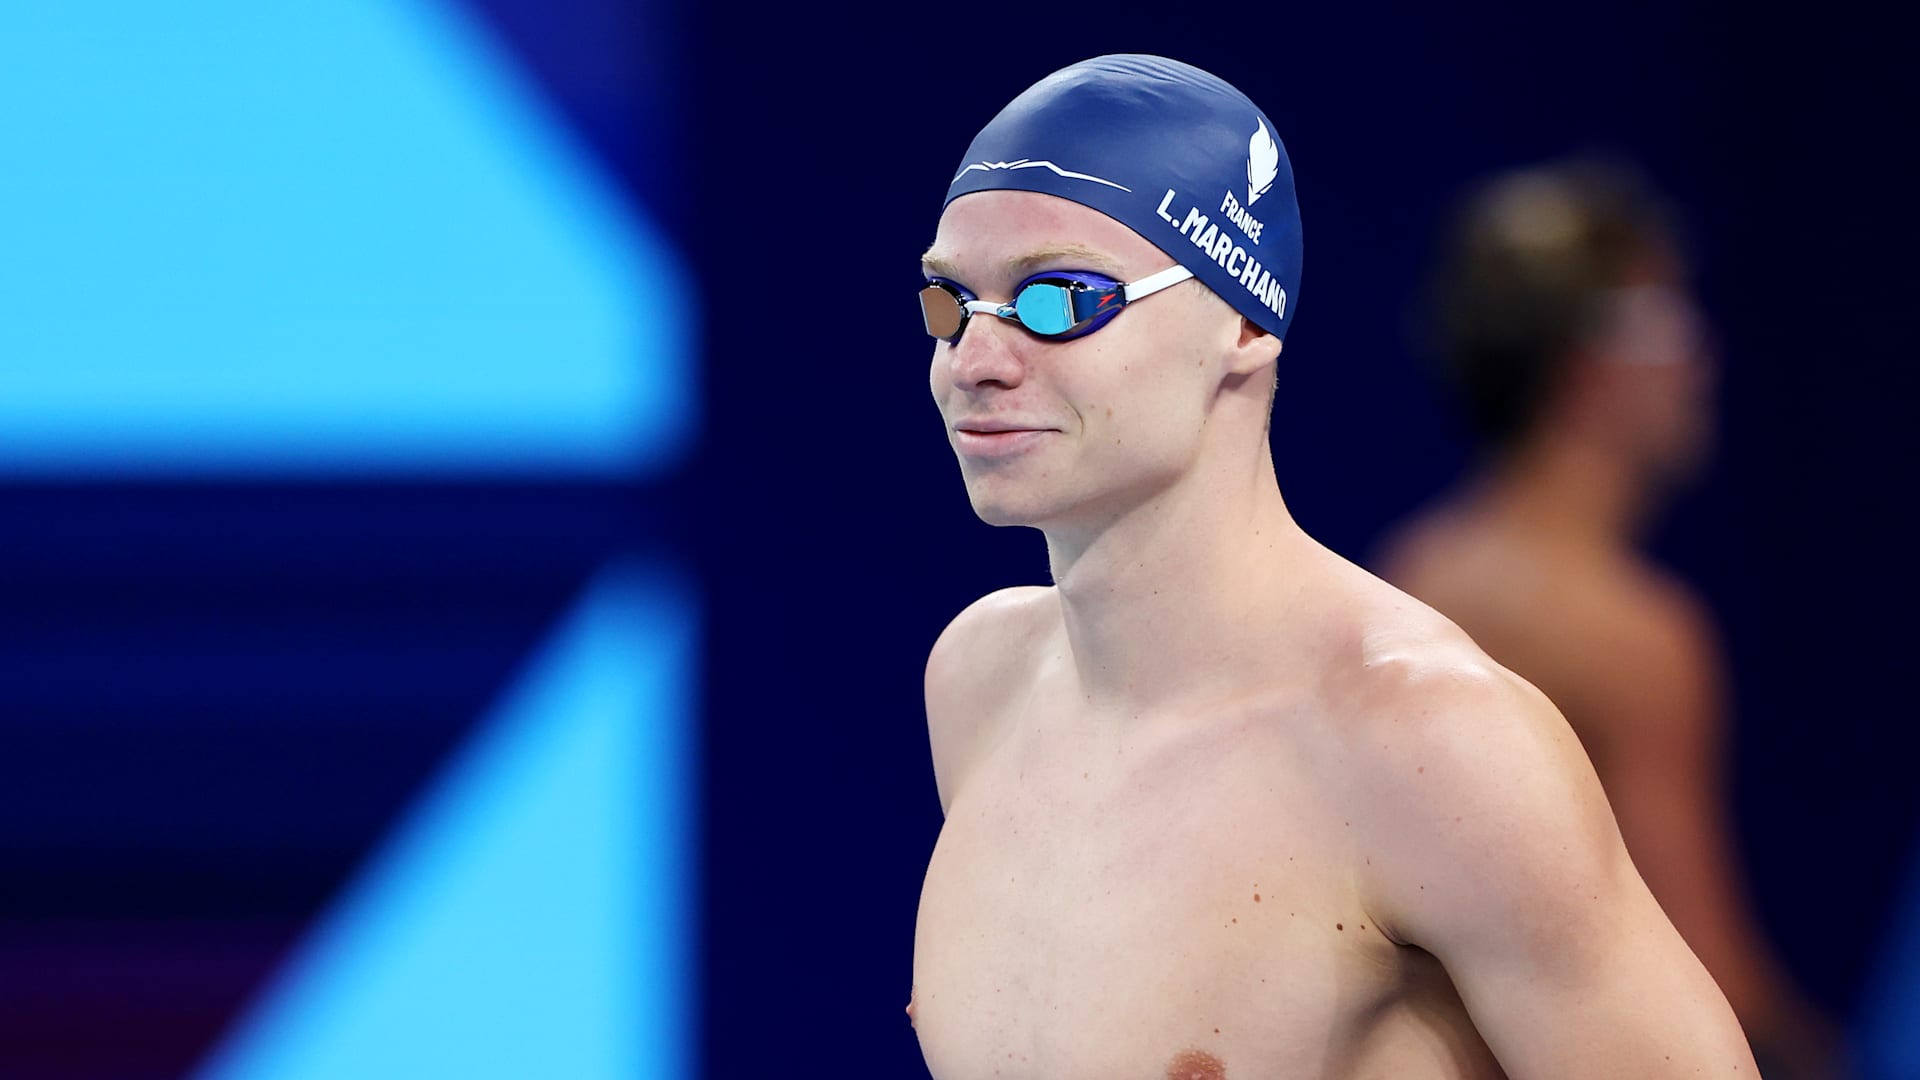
point(1076, 256)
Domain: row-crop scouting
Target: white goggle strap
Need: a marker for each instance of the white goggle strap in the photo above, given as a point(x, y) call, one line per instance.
point(988, 307)
point(1153, 283)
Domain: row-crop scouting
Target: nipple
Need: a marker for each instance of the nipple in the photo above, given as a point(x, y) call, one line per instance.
point(1196, 1065)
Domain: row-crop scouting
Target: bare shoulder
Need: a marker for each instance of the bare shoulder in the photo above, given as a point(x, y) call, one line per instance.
point(983, 657)
point(1468, 784)
point(1401, 661)
point(1660, 616)
point(1480, 834)
point(1656, 667)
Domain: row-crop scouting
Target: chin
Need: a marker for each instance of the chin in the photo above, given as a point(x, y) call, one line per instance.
point(997, 502)
point(1005, 512)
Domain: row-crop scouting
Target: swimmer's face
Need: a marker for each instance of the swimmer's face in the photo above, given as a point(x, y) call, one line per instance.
point(1660, 374)
point(1051, 432)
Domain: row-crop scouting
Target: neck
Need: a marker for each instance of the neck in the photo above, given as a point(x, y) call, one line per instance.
point(1178, 583)
point(1568, 490)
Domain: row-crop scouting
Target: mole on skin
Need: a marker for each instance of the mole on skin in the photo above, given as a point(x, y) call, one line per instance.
point(1196, 1065)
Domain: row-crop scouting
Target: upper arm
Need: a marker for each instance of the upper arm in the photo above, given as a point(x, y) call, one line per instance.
point(1659, 697)
point(967, 680)
point(1654, 683)
point(1504, 863)
point(1667, 786)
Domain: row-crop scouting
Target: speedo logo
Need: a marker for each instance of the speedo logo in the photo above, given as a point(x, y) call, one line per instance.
point(1219, 246)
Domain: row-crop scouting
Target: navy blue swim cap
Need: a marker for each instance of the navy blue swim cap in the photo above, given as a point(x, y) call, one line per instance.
point(1171, 152)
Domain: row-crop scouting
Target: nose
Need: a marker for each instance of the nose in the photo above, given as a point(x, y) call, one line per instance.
point(987, 355)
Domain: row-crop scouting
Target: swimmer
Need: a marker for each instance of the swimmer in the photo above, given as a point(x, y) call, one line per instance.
point(1218, 803)
point(1564, 322)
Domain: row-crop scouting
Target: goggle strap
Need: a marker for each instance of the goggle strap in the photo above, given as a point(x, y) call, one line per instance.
point(988, 307)
point(1153, 283)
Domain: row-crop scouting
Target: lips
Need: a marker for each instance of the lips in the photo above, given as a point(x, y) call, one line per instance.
point(995, 440)
point(994, 427)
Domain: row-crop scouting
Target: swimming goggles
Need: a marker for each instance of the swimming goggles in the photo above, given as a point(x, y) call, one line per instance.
point(1057, 304)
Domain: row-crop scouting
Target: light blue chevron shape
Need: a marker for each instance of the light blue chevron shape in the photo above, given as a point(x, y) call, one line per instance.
point(316, 238)
point(531, 916)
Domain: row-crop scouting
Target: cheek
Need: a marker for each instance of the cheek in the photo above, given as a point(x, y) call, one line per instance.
point(1146, 409)
point(939, 378)
point(1098, 388)
point(1675, 389)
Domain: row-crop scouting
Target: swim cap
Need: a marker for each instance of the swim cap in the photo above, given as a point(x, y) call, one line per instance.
point(1171, 152)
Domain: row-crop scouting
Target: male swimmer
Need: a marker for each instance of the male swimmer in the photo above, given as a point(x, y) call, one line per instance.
point(1562, 316)
point(1218, 803)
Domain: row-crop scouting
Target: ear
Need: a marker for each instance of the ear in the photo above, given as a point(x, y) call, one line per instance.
point(1254, 349)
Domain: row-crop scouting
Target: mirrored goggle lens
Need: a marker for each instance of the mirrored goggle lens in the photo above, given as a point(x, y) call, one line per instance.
point(1044, 308)
point(942, 311)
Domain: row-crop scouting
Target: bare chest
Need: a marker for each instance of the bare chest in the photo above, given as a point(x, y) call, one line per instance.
point(1181, 906)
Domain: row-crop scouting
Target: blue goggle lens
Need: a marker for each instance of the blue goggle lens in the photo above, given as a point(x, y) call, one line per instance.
point(1045, 308)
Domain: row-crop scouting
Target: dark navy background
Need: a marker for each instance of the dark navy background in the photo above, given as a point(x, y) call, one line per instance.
point(168, 830)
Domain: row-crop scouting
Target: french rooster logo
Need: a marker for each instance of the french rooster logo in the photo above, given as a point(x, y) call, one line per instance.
point(1263, 162)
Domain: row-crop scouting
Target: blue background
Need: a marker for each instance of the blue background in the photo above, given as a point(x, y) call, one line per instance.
point(370, 374)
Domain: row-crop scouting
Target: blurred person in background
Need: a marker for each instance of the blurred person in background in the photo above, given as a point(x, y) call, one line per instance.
point(1565, 324)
